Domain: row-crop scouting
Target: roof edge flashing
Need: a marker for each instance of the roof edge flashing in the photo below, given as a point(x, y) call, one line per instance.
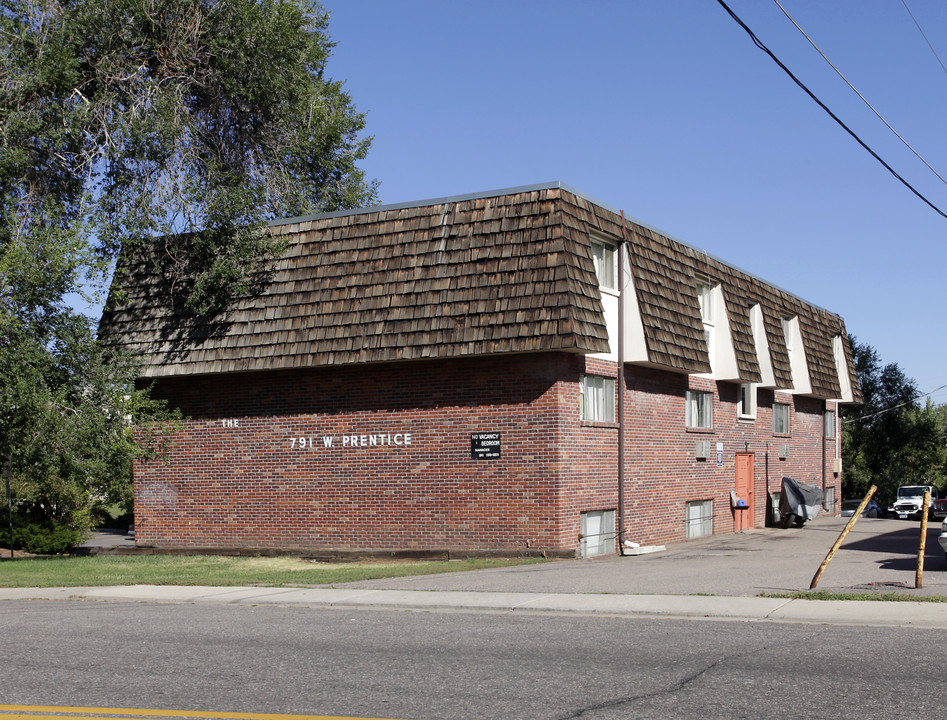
point(554, 185)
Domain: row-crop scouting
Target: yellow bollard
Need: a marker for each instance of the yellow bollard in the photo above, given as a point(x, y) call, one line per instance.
point(841, 538)
point(919, 574)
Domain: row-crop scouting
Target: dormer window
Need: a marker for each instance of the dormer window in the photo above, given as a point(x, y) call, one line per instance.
point(705, 298)
point(787, 335)
point(604, 257)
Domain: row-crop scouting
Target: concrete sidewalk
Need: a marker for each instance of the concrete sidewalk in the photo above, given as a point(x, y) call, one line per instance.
point(720, 577)
point(746, 609)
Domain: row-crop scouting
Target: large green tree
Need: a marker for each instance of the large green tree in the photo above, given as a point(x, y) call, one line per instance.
point(890, 439)
point(174, 128)
point(190, 120)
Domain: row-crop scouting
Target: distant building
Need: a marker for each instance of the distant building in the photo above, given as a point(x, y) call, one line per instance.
point(444, 375)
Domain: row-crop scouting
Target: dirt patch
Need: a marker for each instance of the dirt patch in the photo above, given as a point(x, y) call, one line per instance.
point(17, 554)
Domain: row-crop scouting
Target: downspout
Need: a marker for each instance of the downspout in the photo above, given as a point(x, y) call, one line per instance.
point(621, 386)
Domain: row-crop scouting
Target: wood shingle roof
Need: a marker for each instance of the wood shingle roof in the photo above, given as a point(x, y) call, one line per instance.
point(458, 278)
point(500, 272)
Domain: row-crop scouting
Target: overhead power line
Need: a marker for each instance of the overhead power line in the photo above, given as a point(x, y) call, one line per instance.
point(893, 407)
point(832, 115)
point(923, 35)
point(864, 100)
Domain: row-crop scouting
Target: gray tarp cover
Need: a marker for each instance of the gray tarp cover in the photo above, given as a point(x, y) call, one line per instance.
point(800, 499)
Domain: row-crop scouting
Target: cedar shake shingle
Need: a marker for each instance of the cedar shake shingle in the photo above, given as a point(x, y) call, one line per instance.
point(505, 272)
point(468, 277)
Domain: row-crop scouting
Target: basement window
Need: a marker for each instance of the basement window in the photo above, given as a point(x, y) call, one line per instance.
point(698, 519)
point(828, 500)
point(597, 528)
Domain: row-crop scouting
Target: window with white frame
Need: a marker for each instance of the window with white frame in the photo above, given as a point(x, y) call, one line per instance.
point(605, 259)
point(787, 335)
point(698, 519)
point(829, 424)
point(780, 419)
point(700, 406)
point(705, 298)
point(710, 339)
point(746, 401)
point(597, 398)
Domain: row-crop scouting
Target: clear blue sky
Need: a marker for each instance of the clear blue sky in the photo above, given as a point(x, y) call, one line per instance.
point(667, 110)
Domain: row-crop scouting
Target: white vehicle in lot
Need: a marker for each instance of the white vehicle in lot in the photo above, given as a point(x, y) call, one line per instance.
point(943, 536)
point(910, 500)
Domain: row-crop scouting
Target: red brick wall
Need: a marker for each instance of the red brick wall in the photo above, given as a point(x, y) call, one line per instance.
point(662, 462)
point(251, 467)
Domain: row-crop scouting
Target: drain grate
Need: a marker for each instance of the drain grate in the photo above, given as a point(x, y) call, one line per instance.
point(872, 585)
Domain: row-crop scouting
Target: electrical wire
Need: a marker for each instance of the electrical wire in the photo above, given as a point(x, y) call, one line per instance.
point(822, 105)
point(893, 408)
point(864, 100)
point(923, 35)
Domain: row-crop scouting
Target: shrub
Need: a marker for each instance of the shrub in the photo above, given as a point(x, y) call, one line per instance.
point(44, 538)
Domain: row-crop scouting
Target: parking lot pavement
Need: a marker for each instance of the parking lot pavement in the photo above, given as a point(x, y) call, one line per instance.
point(104, 539)
point(878, 556)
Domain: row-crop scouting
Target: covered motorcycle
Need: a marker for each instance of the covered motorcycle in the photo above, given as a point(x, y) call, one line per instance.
point(798, 502)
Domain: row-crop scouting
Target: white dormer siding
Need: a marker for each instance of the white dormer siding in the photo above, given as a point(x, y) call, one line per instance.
point(636, 348)
point(725, 360)
point(761, 343)
point(713, 313)
point(841, 367)
point(801, 383)
point(606, 257)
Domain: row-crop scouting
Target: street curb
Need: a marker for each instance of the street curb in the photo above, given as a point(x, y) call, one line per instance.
point(694, 607)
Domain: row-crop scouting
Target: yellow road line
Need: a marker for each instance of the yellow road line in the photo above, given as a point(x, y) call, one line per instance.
point(34, 712)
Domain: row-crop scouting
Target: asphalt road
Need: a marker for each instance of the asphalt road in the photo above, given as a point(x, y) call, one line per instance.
point(178, 651)
point(448, 666)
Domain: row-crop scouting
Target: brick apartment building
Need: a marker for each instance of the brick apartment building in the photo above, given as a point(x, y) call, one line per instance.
point(523, 370)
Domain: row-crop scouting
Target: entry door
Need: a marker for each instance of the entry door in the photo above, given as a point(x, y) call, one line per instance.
point(743, 519)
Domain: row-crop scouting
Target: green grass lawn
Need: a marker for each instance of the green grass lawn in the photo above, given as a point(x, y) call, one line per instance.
point(215, 570)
